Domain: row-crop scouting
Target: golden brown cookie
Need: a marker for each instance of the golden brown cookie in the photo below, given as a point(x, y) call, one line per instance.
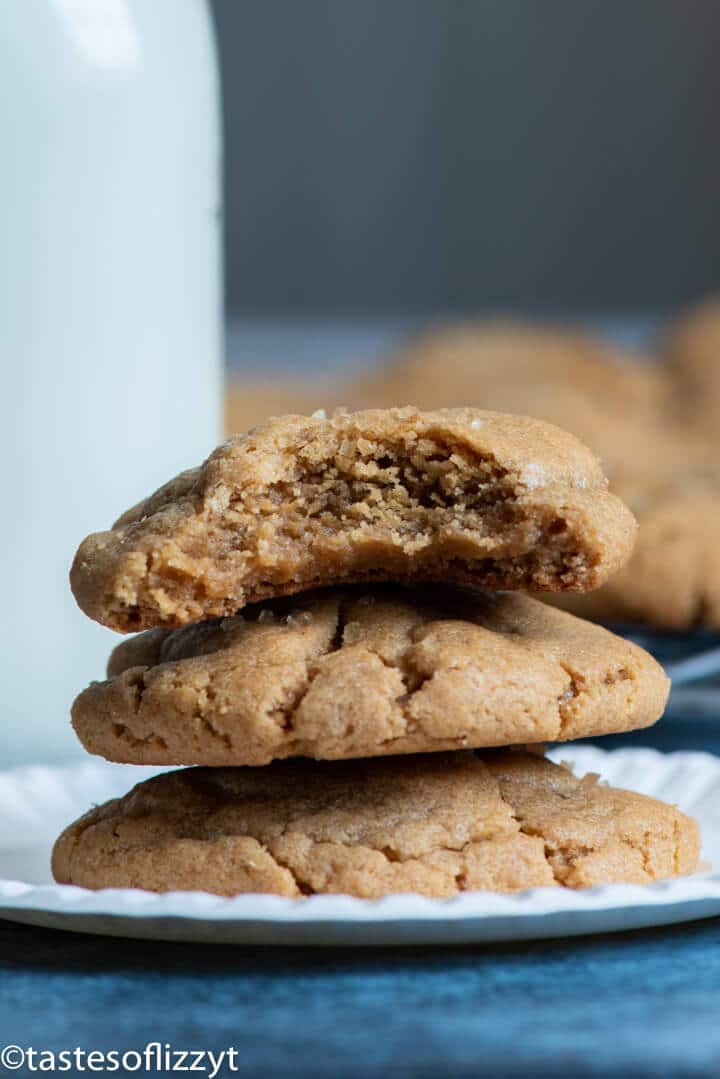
point(612, 400)
point(673, 578)
point(536, 370)
point(362, 673)
point(437, 824)
point(251, 401)
point(460, 495)
point(654, 427)
point(692, 350)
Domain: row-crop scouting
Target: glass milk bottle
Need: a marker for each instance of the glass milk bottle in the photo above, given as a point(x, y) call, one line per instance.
point(110, 311)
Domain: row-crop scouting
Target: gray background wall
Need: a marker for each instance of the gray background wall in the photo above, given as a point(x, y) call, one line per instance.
point(403, 156)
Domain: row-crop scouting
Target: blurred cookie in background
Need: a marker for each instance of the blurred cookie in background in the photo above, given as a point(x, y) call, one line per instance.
point(606, 396)
point(652, 420)
point(250, 401)
point(673, 578)
point(671, 479)
point(692, 351)
point(476, 364)
point(631, 410)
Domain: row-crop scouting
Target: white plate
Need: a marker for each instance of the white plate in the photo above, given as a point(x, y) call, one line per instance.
point(36, 803)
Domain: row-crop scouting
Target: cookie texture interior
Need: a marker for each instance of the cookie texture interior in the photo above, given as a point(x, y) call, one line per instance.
point(458, 495)
point(366, 671)
point(438, 824)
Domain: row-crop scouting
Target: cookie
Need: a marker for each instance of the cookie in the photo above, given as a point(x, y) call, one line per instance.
point(673, 578)
point(363, 673)
point(250, 401)
point(437, 824)
point(610, 399)
point(692, 350)
point(516, 367)
point(495, 501)
point(654, 427)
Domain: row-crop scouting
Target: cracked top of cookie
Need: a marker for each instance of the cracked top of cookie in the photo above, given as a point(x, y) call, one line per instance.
point(361, 672)
point(438, 824)
point(483, 498)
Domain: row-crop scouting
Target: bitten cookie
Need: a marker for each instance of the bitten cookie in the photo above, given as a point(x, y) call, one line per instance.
point(673, 579)
point(460, 495)
point(361, 673)
point(611, 400)
point(654, 426)
point(437, 824)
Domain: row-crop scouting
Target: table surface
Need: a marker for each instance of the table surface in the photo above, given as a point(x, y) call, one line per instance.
point(634, 1004)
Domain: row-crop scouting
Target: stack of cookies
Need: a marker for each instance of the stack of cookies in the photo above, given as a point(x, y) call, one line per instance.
point(351, 593)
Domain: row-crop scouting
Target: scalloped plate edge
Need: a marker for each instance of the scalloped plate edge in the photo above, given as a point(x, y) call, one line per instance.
point(400, 919)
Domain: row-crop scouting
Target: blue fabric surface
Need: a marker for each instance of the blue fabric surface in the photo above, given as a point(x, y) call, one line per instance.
point(641, 1004)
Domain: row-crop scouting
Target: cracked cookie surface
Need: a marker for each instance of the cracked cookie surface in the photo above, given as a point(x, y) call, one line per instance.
point(482, 498)
point(438, 824)
point(361, 672)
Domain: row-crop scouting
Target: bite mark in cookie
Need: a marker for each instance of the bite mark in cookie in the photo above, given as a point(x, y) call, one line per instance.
point(673, 579)
point(459, 495)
